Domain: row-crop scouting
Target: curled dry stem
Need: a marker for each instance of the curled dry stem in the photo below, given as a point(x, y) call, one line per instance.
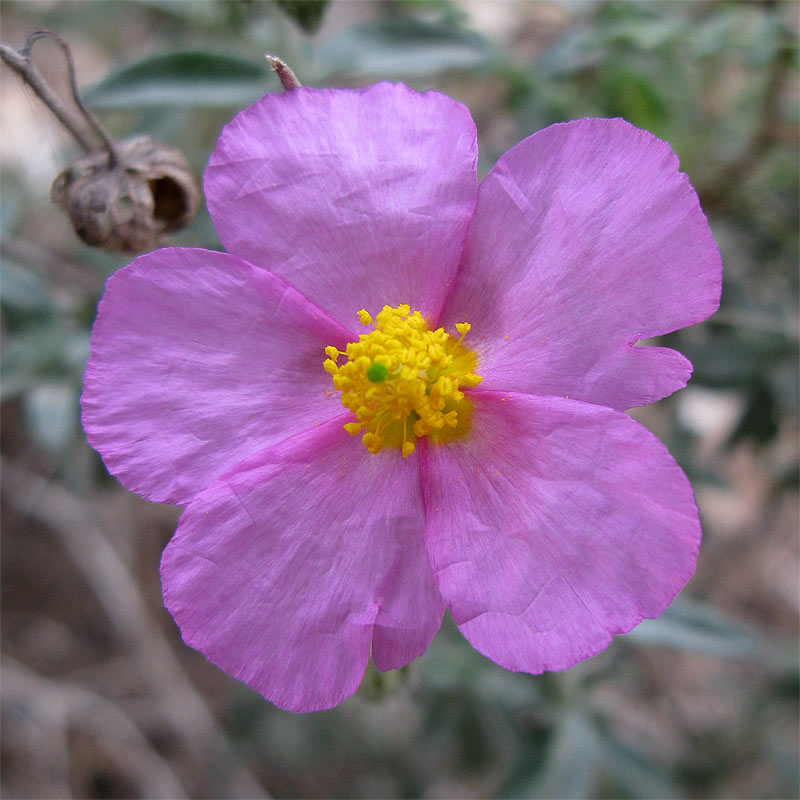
point(20, 61)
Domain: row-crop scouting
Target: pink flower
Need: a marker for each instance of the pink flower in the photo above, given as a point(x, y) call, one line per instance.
point(543, 517)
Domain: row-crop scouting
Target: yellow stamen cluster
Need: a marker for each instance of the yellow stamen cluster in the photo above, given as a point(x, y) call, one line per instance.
point(403, 380)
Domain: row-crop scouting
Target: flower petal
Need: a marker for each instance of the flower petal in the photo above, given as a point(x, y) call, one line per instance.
point(554, 525)
point(357, 197)
point(198, 360)
point(585, 240)
point(280, 571)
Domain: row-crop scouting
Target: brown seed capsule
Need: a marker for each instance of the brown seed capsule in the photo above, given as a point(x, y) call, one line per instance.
point(149, 192)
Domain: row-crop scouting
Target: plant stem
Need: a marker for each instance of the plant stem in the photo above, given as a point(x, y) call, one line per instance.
point(284, 72)
point(20, 62)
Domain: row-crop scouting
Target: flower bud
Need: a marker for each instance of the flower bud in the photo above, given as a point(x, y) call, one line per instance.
point(128, 206)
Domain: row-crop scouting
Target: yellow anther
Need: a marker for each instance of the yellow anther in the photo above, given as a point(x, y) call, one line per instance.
point(403, 380)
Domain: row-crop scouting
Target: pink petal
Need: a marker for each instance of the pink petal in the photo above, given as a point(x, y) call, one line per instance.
point(585, 240)
point(554, 525)
point(198, 360)
point(357, 197)
point(280, 571)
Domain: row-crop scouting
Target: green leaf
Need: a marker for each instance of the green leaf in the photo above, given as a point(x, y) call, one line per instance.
point(47, 352)
point(689, 625)
point(9, 208)
point(646, 33)
point(51, 413)
point(761, 419)
point(306, 13)
point(188, 78)
point(639, 773)
point(23, 289)
point(631, 95)
point(377, 685)
point(571, 765)
point(404, 46)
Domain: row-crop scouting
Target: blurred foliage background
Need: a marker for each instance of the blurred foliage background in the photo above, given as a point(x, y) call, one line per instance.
point(100, 697)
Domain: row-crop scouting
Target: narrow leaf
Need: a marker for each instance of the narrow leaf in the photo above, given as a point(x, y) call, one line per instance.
point(183, 79)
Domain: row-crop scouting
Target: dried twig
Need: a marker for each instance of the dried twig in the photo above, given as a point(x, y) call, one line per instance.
point(20, 62)
point(182, 707)
point(56, 706)
point(284, 72)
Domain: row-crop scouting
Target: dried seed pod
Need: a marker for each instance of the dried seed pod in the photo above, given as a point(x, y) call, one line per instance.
point(150, 191)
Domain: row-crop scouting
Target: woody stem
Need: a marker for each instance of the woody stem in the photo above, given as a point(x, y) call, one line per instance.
point(284, 72)
point(20, 62)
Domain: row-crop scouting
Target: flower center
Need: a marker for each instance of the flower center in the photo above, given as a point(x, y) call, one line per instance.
point(403, 380)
